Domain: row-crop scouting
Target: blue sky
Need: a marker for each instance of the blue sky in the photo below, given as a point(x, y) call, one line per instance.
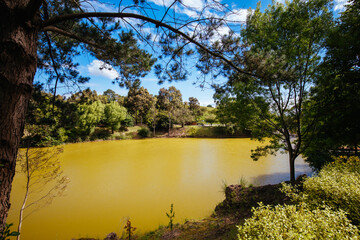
point(101, 80)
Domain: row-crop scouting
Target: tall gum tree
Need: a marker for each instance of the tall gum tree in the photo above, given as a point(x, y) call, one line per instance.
point(48, 34)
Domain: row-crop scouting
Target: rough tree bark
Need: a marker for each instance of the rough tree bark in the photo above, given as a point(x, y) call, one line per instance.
point(18, 57)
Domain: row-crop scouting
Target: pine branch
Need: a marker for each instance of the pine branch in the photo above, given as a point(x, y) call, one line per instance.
point(70, 35)
point(62, 18)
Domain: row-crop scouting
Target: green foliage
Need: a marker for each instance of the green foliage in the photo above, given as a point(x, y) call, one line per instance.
point(297, 222)
point(100, 133)
point(336, 185)
point(183, 115)
point(194, 107)
point(243, 182)
point(62, 134)
point(139, 102)
point(90, 116)
point(280, 47)
point(114, 115)
point(162, 120)
point(169, 100)
point(326, 207)
point(128, 121)
point(197, 131)
point(334, 101)
point(7, 232)
point(144, 132)
point(171, 216)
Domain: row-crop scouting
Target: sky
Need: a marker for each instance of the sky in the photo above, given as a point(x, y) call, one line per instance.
point(101, 80)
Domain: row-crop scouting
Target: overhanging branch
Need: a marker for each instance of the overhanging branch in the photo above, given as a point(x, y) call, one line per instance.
point(58, 19)
point(70, 35)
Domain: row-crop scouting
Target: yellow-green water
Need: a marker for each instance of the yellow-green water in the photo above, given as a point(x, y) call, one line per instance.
point(139, 179)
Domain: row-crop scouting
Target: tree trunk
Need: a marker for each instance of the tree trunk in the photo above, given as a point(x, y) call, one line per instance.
point(292, 168)
point(169, 126)
point(18, 56)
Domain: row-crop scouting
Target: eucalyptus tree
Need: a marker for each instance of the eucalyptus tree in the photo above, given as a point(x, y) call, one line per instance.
point(194, 107)
point(111, 96)
point(152, 115)
point(139, 102)
point(169, 100)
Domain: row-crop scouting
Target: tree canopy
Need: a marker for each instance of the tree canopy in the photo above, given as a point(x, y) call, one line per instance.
point(335, 97)
point(281, 49)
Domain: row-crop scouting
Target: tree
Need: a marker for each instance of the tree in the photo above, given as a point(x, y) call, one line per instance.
point(194, 107)
point(85, 96)
point(169, 100)
point(152, 116)
point(337, 91)
point(281, 48)
point(139, 102)
point(114, 115)
point(113, 97)
point(43, 173)
point(89, 116)
point(235, 109)
point(183, 115)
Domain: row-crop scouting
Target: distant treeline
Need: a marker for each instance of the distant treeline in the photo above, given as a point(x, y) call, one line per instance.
point(87, 115)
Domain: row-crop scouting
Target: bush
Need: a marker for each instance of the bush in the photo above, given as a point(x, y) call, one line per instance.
point(144, 132)
point(100, 134)
point(337, 185)
point(127, 122)
point(192, 131)
point(163, 121)
point(297, 222)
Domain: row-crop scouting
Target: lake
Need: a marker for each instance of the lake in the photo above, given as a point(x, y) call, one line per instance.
point(112, 181)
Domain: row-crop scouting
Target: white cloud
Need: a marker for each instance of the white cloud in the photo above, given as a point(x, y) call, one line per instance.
point(195, 4)
point(189, 12)
point(165, 3)
point(99, 68)
point(238, 15)
point(340, 5)
point(280, 1)
point(98, 6)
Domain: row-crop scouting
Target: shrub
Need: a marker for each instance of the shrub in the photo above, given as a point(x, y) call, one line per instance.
point(297, 222)
point(128, 121)
point(144, 132)
point(100, 134)
point(192, 131)
point(337, 185)
point(62, 135)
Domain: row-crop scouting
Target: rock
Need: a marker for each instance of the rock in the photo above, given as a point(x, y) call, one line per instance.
point(112, 236)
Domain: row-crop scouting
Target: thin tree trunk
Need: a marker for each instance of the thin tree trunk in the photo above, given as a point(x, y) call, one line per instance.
point(26, 193)
point(18, 56)
point(169, 126)
point(292, 168)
